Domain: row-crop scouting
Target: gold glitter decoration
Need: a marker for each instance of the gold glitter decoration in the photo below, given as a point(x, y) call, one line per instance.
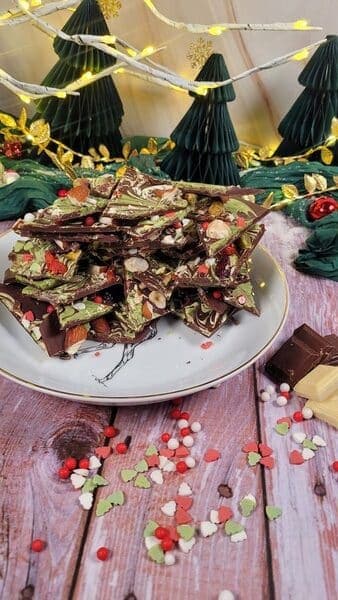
point(110, 8)
point(199, 52)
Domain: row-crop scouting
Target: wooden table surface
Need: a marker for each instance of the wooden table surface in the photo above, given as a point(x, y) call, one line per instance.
point(290, 558)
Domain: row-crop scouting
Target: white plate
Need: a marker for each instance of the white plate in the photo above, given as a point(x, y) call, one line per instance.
point(171, 364)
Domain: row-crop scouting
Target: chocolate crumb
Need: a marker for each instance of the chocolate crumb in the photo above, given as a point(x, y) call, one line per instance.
point(130, 596)
point(127, 441)
point(225, 490)
point(27, 593)
point(319, 489)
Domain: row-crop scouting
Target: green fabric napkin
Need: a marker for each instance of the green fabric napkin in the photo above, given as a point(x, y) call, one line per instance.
point(320, 257)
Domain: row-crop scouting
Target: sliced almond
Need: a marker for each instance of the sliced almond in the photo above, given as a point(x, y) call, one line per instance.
point(158, 299)
point(135, 264)
point(147, 310)
point(75, 336)
point(217, 230)
point(105, 220)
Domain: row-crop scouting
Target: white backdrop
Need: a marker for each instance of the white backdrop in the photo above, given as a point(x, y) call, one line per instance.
point(261, 101)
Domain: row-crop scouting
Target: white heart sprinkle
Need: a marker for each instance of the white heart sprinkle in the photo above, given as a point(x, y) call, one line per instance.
point(226, 595)
point(77, 481)
point(298, 437)
point(94, 463)
point(86, 500)
point(156, 476)
point(307, 453)
point(83, 472)
point(319, 441)
point(169, 466)
point(214, 516)
point(151, 541)
point(238, 537)
point(186, 546)
point(162, 461)
point(184, 489)
point(169, 508)
point(207, 528)
point(169, 559)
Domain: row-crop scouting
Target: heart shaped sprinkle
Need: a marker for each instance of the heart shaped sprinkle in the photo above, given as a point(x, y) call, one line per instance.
point(173, 532)
point(182, 452)
point(142, 466)
point(86, 500)
point(282, 428)
point(163, 461)
point(224, 514)
point(268, 462)
point(150, 528)
point(186, 532)
point(309, 444)
point(298, 437)
point(156, 554)
point(265, 450)
point(214, 518)
point(273, 512)
point(103, 506)
point(151, 450)
point(184, 502)
point(295, 458)
point(167, 453)
point(156, 476)
point(94, 463)
point(253, 458)
point(169, 559)
point(169, 467)
point(150, 542)
point(238, 537)
point(232, 527)
point(307, 453)
point(319, 441)
point(153, 460)
point(142, 481)
point(184, 489)
point(182, 517)
point(83, 472)
point(247, 505)
point(116, 498)
point(103, 451)
point(78, 481)
point(207, 528)
point(186, 546)
point(98, 480)
point(211, 455)
point(169, 508)
point(286, 420)
point(127, 475)
point(250, 447)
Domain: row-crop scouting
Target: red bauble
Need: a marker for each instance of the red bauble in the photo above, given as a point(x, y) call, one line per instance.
point(12, 149)
point(321, 207)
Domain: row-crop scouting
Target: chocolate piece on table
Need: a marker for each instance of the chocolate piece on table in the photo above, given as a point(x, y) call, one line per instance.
point(332, 356)
point(81, 312)
point(38, 259)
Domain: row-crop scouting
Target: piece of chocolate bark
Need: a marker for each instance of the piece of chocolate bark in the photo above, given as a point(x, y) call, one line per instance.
point(153, 275)
point(203, 319)
point(38, 259)
point(81, 312)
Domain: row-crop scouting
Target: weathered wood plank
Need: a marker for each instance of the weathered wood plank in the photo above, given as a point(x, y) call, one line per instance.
point(305, 539)
point(229, 420)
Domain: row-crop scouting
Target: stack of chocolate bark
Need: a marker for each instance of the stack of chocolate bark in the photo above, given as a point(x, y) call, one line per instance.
point(107, 260)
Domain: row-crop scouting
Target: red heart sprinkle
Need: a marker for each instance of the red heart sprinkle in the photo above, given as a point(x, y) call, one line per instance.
point(211, 455)
point(285, 420)
point(224, 514)
point(167, 453)
point(265, 450)
point(181, 452)
point(153, 460)
point(184, 502)
point(103, 451)
point(206, 345)
point(268, 461)
point(250, 447)
point(295, 458)
point(182, 517)
point(173, 533)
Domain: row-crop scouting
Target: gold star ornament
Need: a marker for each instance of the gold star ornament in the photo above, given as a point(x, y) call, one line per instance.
point(199, 52)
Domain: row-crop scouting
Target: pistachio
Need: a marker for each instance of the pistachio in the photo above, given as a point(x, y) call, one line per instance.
point(136, 264)
point(217, 230)
point(158, 299)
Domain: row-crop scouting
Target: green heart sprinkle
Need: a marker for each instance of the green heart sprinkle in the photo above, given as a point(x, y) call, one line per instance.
point(247, 506)
point(127, 475)
point(98, 480)
point(232, 527)
point(150, 528)
point(186, 532)
point(273, 512)
point(89, 486)
point(151, 450)
point(156, 554)
point(103, 507)
point(282, 428)
point(142, 481)
point(116, 498)
point(309, 444)
point(253, 458)
point(142, 466)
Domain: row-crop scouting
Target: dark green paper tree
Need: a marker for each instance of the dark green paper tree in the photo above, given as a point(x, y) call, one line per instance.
point(308, 122)
point(95, 116)
point(205, 137)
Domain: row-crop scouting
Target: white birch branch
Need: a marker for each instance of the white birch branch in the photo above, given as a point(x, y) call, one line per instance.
point(17, 17)
point(30, 90)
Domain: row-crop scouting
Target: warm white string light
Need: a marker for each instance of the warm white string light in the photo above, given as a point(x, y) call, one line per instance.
point(27, 91)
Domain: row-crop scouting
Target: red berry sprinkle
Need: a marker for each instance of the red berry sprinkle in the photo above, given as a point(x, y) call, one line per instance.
point(176, 401)
point(205, 225)
point(84, 463)
point(181, 467)
point(110, 431)
point(185, 431)
point(185, 415)
point(98, 299)
point(217, 294)
point(50, 308)
point(167, 544)
point(165, 437)
point(70, 463)
point(89, 221)
point(161, 533)
point(121, 448)
point(102, 553)
point(38, 545)
point(297, 416)
point(229, 250)
point(63, 473)
point(175, 413)
point(335, 466)
point(286, 395)
point(29, 316)
point(62, 193)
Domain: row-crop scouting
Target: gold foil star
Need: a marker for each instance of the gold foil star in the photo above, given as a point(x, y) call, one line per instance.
point(110, 8)
point(199, 52)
